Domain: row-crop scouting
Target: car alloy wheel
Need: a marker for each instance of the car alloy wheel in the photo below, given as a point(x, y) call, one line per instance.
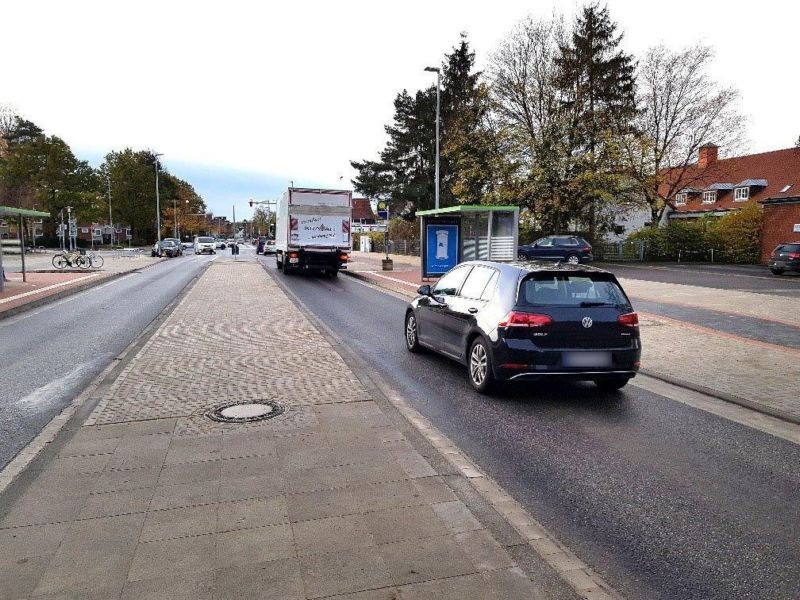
point(412, 339)
point(573, 259)
point(480, 367)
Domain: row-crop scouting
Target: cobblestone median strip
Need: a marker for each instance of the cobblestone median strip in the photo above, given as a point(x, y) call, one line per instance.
point(328, 498)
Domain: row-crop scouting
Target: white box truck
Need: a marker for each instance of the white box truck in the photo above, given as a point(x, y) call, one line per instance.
point(312, 230)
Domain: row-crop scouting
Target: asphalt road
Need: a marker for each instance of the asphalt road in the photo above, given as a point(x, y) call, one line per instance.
point(749, 278)
point(50, 354)
point(664, 500)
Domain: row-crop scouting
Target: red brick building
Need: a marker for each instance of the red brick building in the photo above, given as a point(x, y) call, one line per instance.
point(714, 186)
point(781, 223)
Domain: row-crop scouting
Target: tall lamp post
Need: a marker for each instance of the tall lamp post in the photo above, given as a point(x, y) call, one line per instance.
point(110, 220)
point(438, 72)
point(158, 201)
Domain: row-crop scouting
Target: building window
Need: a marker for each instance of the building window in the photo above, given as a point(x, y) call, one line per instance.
point(680, 199)
point(84, 230)
point(785, 188)
point(741, 193)
point(710, 197)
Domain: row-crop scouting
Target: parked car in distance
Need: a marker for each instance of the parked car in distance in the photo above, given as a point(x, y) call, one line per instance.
point(785, 257)
point(177, 243)
point(187, 245)
point(566, 248)
point(203, 244)
point(526, 321)
point(269, 247)
point(220, 244)
point(168, 248)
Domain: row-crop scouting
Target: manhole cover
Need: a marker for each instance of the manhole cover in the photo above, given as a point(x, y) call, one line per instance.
point(245, 412)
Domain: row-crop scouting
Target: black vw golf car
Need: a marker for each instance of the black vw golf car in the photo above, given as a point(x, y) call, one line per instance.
point(528, 320)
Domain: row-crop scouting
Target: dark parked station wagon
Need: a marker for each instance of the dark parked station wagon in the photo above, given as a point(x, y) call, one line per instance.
point(528, 320)
point(565, 248)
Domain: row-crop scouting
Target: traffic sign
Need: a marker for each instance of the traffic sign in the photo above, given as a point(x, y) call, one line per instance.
point(383, 210)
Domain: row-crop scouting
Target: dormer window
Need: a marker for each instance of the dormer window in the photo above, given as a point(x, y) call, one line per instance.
point(740, 194)
point(710, 197)
point(680, 199)
point(785, 189)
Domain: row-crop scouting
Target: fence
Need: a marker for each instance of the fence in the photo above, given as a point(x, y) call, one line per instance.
point(641, 251)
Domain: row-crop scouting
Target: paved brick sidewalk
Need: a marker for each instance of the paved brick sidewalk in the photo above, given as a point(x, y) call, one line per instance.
point(761, 375)
point(150, 499)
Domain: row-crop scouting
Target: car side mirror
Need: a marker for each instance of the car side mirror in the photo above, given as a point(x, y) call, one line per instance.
point(424, 290)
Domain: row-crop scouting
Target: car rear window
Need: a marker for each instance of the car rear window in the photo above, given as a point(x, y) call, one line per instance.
point(571, 289)
point(788, 248)
point(205, 240)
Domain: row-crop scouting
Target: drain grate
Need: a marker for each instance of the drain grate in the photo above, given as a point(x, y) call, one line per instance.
point(245, 411)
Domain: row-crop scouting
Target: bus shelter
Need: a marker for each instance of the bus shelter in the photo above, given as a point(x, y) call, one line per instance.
point(20, 214)
point(456, 234)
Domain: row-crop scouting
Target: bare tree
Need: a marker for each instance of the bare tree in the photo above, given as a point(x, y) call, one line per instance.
point(522, 73)
point(680, 110)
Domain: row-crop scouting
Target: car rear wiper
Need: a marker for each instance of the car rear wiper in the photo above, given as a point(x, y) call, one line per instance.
point(585, 304)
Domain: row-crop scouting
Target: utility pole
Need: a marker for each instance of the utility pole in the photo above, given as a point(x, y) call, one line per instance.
point(158, 201)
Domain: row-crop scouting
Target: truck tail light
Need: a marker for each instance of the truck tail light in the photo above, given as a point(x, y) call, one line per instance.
point(344, 257)
point(523, 319)
point(629, 319)
point(292, 254)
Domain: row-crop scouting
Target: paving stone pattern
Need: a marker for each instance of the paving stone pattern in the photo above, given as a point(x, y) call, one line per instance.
point(325, 501)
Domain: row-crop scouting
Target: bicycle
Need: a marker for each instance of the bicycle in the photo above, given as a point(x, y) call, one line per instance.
point(95, 260)
point(73, 259)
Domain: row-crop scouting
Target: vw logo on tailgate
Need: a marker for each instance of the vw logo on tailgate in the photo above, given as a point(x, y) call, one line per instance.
point(586, 322)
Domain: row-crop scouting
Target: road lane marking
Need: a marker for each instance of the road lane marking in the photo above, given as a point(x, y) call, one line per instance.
point(721, 408)
point(54, 389)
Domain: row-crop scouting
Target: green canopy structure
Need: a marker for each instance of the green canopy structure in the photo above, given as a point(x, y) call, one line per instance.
point(20, 214)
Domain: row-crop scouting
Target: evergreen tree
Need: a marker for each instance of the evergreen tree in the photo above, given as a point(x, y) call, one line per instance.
point(596, 81)
point(405, 172)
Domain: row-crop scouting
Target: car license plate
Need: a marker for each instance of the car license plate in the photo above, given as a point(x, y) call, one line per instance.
point(586, 359)
point(294, 260)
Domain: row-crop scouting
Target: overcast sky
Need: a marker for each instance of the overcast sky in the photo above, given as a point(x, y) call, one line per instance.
point(242, 97)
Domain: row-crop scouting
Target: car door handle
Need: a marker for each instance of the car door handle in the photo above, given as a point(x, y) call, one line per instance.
point(472, 310)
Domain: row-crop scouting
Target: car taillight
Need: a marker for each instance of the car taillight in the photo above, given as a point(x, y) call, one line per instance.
point(629, 319)
point(523, 319)
point(794, 254)
point(587, 250)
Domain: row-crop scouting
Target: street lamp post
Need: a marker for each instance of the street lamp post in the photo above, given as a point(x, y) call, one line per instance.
point(438, 72)
point(110, 220)
point(158, 201)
